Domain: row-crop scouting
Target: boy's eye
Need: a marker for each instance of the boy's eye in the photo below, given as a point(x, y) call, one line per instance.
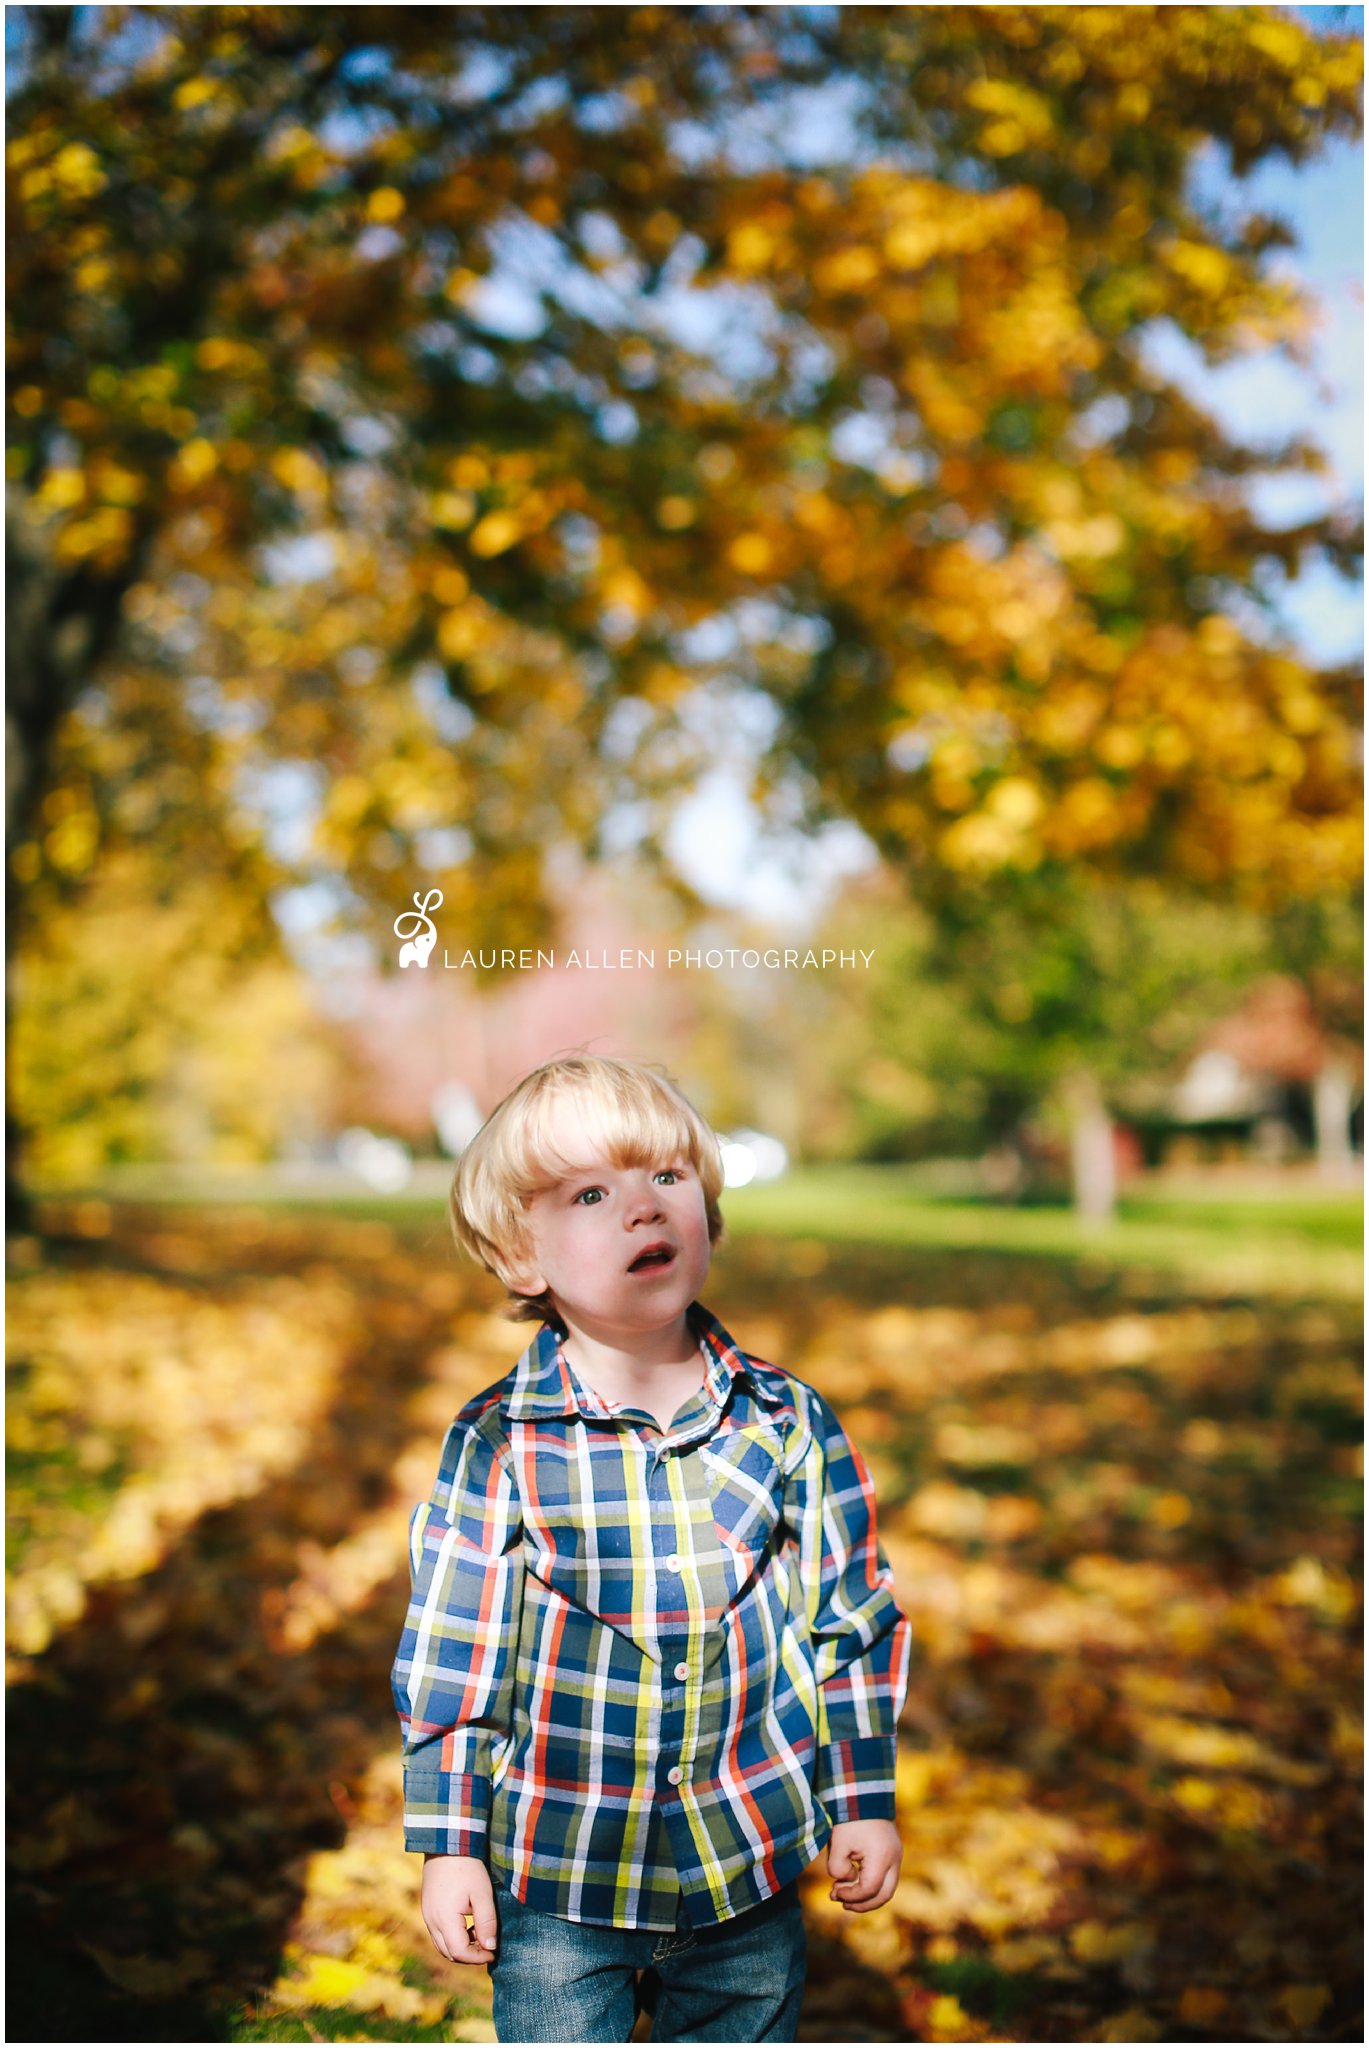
point(668, 1172)
point(584, 1192)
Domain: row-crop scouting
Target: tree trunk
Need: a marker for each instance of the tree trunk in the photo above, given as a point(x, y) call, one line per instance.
point(1332, 1096)
point(1092, 1160)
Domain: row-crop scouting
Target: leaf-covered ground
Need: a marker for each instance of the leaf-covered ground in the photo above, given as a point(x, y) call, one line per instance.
point(1124, 1516)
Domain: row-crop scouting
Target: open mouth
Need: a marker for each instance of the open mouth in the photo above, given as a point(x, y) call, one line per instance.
point(654, 1259)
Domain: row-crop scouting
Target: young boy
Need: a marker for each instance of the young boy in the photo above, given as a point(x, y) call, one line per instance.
point(652, 1659)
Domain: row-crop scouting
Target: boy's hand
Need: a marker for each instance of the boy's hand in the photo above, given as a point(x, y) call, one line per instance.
point(863, 1857)
point(454, 1886)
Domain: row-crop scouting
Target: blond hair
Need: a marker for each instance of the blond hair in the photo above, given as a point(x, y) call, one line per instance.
point(645, 1118)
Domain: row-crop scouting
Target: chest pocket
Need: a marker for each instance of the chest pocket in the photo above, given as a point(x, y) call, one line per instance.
point(745, 1471)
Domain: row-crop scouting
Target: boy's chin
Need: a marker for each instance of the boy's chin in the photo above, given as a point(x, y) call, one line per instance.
point(648, 1308)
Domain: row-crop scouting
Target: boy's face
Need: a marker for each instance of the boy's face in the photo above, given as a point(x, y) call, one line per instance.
point(589, 1231)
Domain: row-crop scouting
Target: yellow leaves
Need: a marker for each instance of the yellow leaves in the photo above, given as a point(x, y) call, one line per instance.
point(456, 634)
point(1201, 2005)
point(74, 172)
point(299, 471)
point(349, 798)
point(750, 248)
point(1281, 40)
point(1088, 540)
point(1209, 270)
point(662, 228)
point(852, 269)
point(1094, 1941)
point(332, 1980)
point(1020, 117)
point(106, 535)
point(980, 843)
point(210, 1395)
point(496, 532)
point(195, 92)
point(674, 513)
point(71, 843)
point(915, 1773)
point(62, 488)
point(964, 1443)
point(1305, 2004)
point(451, 510)
point(1016, 801)
point(623, 587)
point(1308, 1583)
point(1084, 817)
point(1132, 2025)
point(92, 274)
point(911, 243)
point(947, 2020)
point(461, 632)
point(751, 553)
point(1212, 1747)
point(222, 352)
point(461, 285)
point(196, 460)
point(115, 484)
point(384, 205)
point(1029, 1952)
point(1231, 1803)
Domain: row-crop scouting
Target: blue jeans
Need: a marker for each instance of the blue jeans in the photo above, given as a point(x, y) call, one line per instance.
point(738, 1980)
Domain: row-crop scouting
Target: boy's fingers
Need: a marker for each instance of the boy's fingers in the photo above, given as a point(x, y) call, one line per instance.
point(463, 1948)
point(878, 1894)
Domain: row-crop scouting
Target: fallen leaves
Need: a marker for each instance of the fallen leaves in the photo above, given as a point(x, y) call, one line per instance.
point(1129, 1789)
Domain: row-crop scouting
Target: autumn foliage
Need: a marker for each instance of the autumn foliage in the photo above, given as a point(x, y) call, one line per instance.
point(923, 490)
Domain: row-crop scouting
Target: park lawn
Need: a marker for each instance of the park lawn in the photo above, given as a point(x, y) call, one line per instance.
point(1306, 1246)
point(1253, 1239)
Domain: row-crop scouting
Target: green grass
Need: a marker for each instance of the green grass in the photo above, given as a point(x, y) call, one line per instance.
point(982, 1988)
point(1259, 1237)
point(1285, 1244)
point(334, 2023)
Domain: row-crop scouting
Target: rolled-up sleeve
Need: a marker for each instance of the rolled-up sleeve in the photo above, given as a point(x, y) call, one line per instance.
point(452, 1677)
point(861, 1640)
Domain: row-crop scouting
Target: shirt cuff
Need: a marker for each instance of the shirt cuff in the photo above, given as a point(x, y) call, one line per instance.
point(446, 1813)
point(854, 1779)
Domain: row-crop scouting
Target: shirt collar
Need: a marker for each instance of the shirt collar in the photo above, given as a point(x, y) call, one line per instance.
point(541, 1384)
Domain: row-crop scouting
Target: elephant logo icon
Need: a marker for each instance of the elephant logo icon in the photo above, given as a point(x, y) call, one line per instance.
point(417, 929)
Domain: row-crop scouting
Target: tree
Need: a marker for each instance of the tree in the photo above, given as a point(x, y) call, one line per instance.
point(972, 559)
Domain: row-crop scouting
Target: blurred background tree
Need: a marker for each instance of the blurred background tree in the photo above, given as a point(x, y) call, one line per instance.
point(431, 427)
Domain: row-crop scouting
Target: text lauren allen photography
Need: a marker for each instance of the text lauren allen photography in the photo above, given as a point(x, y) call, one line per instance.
point(419, 933)
point(630, 959)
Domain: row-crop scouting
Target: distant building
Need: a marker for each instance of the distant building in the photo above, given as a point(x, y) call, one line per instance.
point(1271, 1074)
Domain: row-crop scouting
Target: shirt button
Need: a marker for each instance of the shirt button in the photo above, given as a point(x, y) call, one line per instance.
point(674, 1774)
point(682, 1671)
point(672, 1563)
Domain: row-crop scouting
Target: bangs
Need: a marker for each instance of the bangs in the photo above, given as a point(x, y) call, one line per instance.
point(635, 1121)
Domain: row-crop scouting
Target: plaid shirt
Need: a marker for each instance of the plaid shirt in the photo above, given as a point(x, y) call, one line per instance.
point(639, 1663)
